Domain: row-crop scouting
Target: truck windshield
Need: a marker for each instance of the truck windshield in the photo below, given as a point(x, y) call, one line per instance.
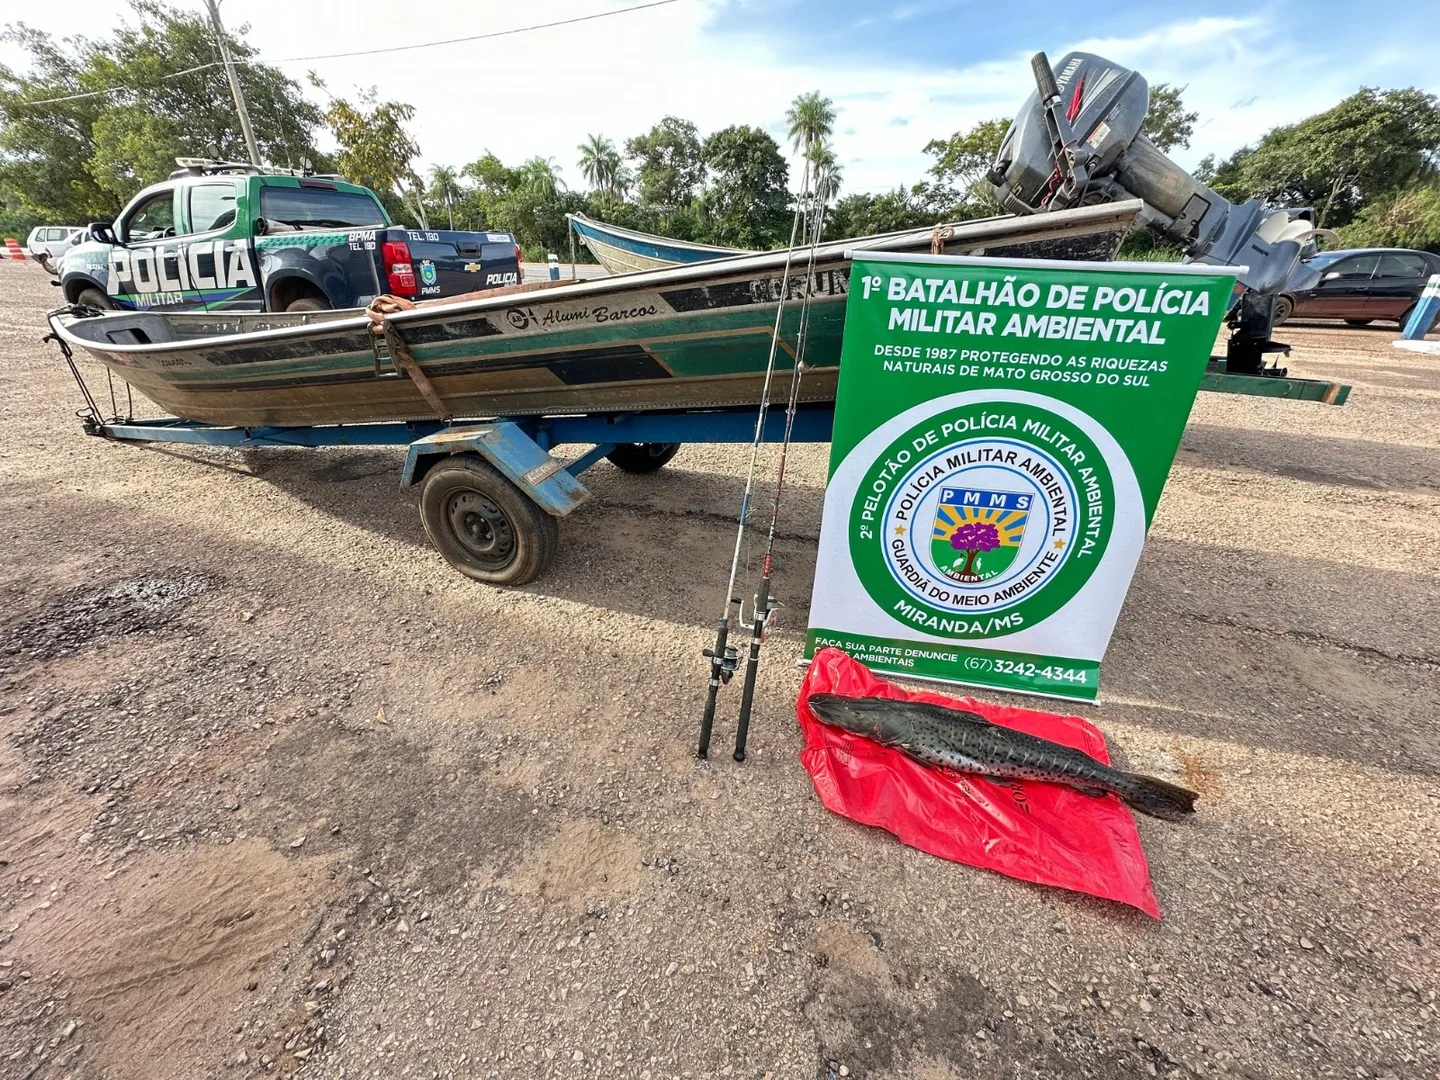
point(317, 207)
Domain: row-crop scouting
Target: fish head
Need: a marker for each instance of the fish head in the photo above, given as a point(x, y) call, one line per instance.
point(874, 718)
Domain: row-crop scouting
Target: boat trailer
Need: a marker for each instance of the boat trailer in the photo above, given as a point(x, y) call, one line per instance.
point(491, 492)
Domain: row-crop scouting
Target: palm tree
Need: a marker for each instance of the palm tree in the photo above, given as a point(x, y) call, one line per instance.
point(811, 119)
point(540, 176)
point(597, 160)
point(446, 185)
point(827, 171)
point(621, 180)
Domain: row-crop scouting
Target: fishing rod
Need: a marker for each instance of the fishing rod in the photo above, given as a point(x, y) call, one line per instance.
point(724, 658)
point(764, 603)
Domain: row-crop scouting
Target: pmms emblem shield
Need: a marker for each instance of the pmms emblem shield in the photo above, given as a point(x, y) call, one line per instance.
point(981, 519)
point(978, 533)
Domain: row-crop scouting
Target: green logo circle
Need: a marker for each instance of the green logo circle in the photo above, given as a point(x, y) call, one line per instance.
point(982, 519)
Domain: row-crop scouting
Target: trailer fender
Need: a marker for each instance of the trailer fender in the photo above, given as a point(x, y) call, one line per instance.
point(541, 477)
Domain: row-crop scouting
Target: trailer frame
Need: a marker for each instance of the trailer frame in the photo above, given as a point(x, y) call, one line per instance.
point(491, 490)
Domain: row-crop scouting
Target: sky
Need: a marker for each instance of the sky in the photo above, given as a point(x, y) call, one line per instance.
point(900, 73)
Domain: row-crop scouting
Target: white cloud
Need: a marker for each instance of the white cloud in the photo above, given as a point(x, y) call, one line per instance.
point(542, 92)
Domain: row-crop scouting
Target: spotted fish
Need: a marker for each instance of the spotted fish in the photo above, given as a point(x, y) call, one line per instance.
point(966, 742)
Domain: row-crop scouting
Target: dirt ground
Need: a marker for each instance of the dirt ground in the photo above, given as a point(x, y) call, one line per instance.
point(280, 791)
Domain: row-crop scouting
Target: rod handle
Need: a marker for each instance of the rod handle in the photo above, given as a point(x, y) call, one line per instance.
point(752, 667)
point(717, 676)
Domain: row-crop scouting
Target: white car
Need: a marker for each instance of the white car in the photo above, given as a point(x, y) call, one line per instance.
point(48, 242)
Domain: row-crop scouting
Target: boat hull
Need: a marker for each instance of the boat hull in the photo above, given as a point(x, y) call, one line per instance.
point(686, 338)
point(624, 251)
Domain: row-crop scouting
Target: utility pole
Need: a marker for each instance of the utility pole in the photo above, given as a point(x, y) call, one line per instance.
point(214, 6)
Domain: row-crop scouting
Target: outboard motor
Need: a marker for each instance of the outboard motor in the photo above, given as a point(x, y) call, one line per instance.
point(1077, 142)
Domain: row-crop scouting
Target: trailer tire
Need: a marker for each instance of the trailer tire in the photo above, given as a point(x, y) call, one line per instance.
point(1284, 308)
point(645, 457)
point(484, 525)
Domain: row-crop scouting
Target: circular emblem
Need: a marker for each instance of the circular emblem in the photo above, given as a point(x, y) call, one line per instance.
point(517, 318)
point(428, 274)
point(982, 519)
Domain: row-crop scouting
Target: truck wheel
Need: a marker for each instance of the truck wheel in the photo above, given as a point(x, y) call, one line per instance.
point(1283, 308)
point(308, 303)
point(484, 525)
point(645, 457)
point(94, 298)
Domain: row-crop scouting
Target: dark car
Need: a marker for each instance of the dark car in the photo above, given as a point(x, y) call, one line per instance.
point(1361, 285)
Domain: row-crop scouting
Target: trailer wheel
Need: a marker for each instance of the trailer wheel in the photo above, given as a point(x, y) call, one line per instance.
point(1284, 307)
point(645, 457)
point(483, 524)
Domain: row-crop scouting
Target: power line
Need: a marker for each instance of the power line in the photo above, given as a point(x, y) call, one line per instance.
point(481, 37)
point(371, 52)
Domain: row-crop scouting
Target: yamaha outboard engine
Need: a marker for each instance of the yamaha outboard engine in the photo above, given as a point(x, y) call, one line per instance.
point(1077, 141)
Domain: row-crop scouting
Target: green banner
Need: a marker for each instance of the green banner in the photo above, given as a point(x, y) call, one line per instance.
point(1003, 431)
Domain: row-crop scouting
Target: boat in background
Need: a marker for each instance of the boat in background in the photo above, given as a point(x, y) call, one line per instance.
point(623, 251)
point(687, 337)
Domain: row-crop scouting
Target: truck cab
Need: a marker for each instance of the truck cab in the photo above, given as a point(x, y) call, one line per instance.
point(219, 237)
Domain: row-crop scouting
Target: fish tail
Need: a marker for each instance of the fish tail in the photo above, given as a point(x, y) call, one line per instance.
point(1156, 797)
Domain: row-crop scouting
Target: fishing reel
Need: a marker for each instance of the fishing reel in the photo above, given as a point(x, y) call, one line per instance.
point(723, 664)
point(762, 614)
point(724, 658)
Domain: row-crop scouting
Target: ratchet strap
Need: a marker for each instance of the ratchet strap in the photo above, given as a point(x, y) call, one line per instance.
point(400, 352)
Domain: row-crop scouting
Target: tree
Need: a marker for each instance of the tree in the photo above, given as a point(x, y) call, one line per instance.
point(961, 162)
point(15, 219)
point(826, 171)
point(668, 174)
point(445, 186)
point(747, 201)
point(1408, 218)
point(376, 149)
point(540, 177)
point(490, 173)
point(82, 159)
point(1167, 124)
point(890, 211)
point(811, 119)
point(973, 538)
point(1370, 145)
point(601, 166)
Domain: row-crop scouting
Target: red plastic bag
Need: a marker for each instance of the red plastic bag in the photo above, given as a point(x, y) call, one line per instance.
point(1046, 833)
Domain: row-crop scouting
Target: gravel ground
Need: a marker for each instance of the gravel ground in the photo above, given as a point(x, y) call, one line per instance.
point(279, 791)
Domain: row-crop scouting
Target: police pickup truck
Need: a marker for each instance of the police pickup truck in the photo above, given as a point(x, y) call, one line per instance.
point(223, 237)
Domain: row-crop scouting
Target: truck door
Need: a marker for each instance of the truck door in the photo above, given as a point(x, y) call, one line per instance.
point(219, 259)
point(145, 270)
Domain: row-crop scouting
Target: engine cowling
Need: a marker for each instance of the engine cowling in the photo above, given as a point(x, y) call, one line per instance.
point(1078, 140)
